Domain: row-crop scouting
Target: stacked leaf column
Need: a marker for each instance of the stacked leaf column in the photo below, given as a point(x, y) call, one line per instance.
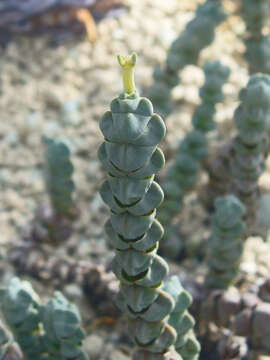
point(185, 50)
point(255, 14)
point(226, 242)
point(250, 144)
point(182, 174)
point(53, 222)
point(130, 155)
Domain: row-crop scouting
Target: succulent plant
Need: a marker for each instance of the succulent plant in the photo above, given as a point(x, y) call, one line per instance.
point(193, 149)
point(53, 222)
point(63, 334)
point(181, 177)
point(130, 155)
point(216, 75)
point(44, 332)
point(257, 54)
point(242, 314)
point(21, 308)
point(98, 284)
point(239, 164)
point(58, 175)
point(226, 242)
point(186, 344)
point(255, 15)
point(185, 50)
point(249, 146)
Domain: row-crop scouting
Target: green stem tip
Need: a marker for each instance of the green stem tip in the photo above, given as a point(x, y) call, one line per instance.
point(128, 63)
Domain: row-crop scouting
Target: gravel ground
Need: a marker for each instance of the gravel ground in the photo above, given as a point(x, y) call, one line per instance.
point(65, 90)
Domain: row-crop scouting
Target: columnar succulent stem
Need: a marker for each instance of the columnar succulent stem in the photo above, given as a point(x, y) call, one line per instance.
point(226, 242)
point(255, 15)
point(185, 50)
point(53, 222)
point(193, 149)
point(250, 144)
point(130, 155)
point(244, 158)
point(58, 175)
point(186, 344)
point(216, 74)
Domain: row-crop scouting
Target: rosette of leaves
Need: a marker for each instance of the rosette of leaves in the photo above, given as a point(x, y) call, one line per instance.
point(131, 156)
point(249, 146)
point(63, 333)
point(255, 15)
point(216, 74)
point(185, 50)
point(226, 242)
point(20, 306)
point(186, 344)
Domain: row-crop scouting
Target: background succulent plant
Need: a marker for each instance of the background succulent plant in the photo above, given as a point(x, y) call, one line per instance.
point(58, 175)
point(185, 50)
point(250, 144)
point(21, 308)
point(53, 223)
point(226, 242)
point(216, 74)
point(255, 15)
point(44, 332)
point(63, 333)
point(193, 149)
point(186, 344)
point(130, 155)
point(239, 164)
point(244, 316)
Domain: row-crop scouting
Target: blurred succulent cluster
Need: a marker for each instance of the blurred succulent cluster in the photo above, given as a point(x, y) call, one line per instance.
point(250, 144)
point(186, 344)
point(43, 332)
point(193, 149)
point(239, 164)
point(185, 50)
point(255, 15)
point(226, 242)
point(58, 175)
point(216, 74)
point(53, 221)
point(244, 315)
